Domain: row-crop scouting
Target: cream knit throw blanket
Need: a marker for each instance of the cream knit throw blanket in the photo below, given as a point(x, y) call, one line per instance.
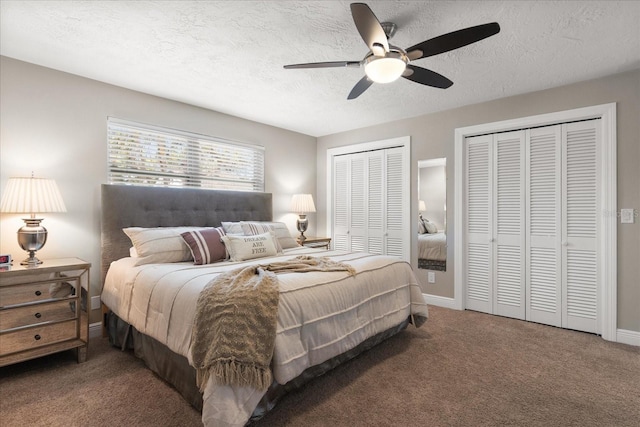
point(234, 329)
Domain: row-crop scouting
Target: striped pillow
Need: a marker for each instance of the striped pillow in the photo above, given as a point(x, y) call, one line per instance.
point(206, 245)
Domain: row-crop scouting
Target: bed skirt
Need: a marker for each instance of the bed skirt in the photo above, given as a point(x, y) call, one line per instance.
point(430, 264)
point(175, 369)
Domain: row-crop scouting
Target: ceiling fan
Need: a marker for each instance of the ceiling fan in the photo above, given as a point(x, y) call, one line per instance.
point(385, 63)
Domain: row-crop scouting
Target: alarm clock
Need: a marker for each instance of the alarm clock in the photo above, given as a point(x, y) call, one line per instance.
point(5, 260)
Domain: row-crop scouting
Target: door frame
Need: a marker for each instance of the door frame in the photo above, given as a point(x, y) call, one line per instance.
point(607, 220)
point(403, 141)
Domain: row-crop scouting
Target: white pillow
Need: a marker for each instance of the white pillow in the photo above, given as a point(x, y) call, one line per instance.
point(160, 245)
point(241, 248)
point(232, 228)
point(431, 227)
point(280, 229)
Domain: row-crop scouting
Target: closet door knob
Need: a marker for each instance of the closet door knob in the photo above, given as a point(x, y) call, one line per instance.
point(565, 243)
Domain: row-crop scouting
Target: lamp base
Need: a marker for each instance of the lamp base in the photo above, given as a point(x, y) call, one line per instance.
point(32, 260)
point(302, 225)
point(32, 237)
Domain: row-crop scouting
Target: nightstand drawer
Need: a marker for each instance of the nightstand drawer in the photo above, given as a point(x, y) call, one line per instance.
point(30, 315)
point(37, 337)
point(12, 295)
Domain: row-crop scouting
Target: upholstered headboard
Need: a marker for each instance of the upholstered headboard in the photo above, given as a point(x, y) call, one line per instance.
point(134, 206)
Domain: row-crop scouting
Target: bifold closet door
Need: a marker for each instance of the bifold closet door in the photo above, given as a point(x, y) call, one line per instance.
point(509, 224)
point(580, 207)
point(396, 204)
point(370, 202)
point(341, 206)
point(544, 225)
point(479, 232)
point(495, 218)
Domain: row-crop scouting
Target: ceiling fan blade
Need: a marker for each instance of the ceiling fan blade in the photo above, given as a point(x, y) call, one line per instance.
point(334, 64)
point(370, 29)
point(426, 77)
point(453, 40)
point(360, 87)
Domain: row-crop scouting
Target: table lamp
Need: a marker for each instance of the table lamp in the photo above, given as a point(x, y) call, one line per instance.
point(33, 196)
point(302, 204)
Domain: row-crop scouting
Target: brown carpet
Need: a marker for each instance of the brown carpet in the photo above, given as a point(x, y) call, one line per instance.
point(459, 369)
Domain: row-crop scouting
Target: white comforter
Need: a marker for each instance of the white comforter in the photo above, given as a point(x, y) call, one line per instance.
point(432, 246)
point(320, 314)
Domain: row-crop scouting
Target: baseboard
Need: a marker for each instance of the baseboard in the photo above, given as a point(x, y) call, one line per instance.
point(95, 330)
point(628, 337)
point(445, 302)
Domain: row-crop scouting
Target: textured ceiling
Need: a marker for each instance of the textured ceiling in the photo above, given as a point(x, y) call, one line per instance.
point(228, 56)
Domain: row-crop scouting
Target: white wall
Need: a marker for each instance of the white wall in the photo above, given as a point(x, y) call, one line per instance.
point(54, 124)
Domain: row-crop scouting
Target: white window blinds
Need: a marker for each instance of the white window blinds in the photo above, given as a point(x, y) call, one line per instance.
point(141, 154)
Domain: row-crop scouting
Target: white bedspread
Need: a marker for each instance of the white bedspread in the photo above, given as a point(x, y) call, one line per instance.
point(320, 314)
point(432, 246)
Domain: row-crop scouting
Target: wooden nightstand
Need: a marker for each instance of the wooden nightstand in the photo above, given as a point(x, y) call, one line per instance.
point(316, 242)
point(44, 310)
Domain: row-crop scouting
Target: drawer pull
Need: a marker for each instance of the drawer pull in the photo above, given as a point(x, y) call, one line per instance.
point(38, 315)
point(38, 293)
point(37, 337)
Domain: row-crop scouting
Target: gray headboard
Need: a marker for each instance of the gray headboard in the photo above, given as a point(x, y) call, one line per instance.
point(134, 206)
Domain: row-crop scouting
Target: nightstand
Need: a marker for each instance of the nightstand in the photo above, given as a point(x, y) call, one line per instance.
point(316, 242)
point(44, 310)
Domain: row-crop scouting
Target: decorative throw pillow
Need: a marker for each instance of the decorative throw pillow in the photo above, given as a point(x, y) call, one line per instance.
point(206, 245)
point(431, 227)
point(232, 228)
point(159, 245)
point(422, 228)
point(241, 248)
point(283, 236)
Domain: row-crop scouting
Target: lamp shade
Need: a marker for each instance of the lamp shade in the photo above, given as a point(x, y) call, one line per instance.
point(302, 203)
point(31, 195)
point(421, 206)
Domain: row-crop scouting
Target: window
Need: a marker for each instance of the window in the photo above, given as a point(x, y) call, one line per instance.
point(149, 155)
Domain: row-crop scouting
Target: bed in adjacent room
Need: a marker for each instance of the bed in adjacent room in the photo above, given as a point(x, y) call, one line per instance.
point(432, 251)
point(328, 305)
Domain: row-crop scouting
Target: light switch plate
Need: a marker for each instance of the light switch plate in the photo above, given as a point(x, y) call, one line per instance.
point(626, 216)
point(431, 277)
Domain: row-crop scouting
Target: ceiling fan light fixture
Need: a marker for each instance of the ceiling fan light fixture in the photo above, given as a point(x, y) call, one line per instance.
point(385, 69)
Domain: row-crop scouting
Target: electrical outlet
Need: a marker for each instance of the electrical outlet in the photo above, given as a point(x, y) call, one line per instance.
point(626, 216)
point(95, 303)
point(431, 277)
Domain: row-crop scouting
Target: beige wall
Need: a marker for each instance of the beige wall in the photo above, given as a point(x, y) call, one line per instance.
point(432, 136)
point(54, 124)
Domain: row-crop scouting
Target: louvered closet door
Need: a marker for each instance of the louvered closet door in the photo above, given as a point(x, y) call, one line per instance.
point(375, 202)
point(341, 212)
point(478, 270)
point(544, 163)
point(579, 237)
point(509, 224)
point(358, 202)
point(396, 204)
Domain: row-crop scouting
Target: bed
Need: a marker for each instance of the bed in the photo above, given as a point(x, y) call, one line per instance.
point(432, 251)
point(323, 318)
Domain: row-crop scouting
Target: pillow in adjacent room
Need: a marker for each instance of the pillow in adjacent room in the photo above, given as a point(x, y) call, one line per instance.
point(422, 227)
point(160, 244)
point(280, 229)
point(206, 245)
point(232, 228)
point(242, 248)
point(431, 227)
